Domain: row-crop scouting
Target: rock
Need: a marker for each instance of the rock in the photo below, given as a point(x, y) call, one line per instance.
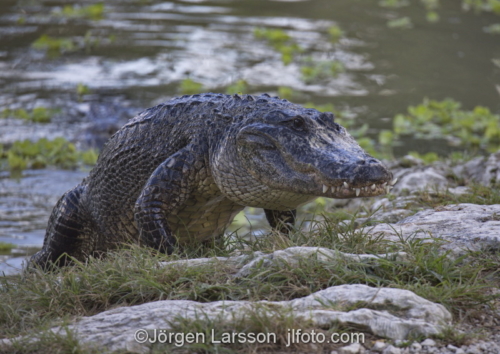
point(245, 264)
point(461, 190)
point(391, 350)
point(379, 346)
point(428, 342)
point(390, 216)
point(461, 226)
point(400, 314)
point(415, 347)
point(409, 161)
point(354, 348)
point(419, 179)
point(482, 170)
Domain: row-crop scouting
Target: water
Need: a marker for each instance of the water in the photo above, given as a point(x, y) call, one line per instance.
point(147, 47)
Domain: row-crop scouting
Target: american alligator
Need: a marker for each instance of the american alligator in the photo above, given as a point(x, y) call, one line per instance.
point(179, 172)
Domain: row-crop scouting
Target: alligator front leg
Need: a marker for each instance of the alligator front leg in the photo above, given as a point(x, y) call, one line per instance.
point(283, 221)
point(168, 188)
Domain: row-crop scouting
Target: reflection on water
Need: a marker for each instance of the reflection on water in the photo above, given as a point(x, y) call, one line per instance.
point(138, 52)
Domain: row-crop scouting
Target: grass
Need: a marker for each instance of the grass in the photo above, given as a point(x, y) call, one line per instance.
point(36, 300)
point(478, 194)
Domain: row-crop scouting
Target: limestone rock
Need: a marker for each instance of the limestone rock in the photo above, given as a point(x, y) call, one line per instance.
point(400, 314)
point(354, 348)
point(244, 264)
point(417, 179)
point(481, 169)
point(462, 226)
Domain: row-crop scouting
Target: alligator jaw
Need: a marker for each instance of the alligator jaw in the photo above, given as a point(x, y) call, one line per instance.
point(344, 190)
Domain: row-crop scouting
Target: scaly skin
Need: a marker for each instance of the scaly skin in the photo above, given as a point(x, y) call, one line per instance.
point(179, 172)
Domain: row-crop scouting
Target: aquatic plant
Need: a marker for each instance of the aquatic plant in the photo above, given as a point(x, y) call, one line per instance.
point(190, 87)
point(37, 114)
point(393, 3)
point(492, 29)
point(313, 71)
point(5, 247)
point(280, 41)
point(240, 86)
point(403, 22)
point(92, 12)
point(335, 33)
point(82, 90)
point(482, 5)
point(42, 153)
point(54, 46)
point(57, 46)
point(286, 92)
point(445, 119)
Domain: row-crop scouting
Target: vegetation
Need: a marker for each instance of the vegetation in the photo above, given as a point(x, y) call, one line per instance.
point(403, 22)
point(280, 41)
point(92, 12)
point(82, 90)
point(42, 153)
point(478, 194)
point(5, 247)
point(190, 87)
point(476, 129)
point(432, 7)
point(240, 86)
point(335, 33)
point(131, 276)
point(314, 71)
point(36, 115)
point(55, 47)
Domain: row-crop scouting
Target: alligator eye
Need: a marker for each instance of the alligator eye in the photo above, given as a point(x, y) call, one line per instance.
point(298, 123)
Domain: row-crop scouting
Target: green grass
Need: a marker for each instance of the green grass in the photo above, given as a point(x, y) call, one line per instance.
point(36, 300)
point(478, 194)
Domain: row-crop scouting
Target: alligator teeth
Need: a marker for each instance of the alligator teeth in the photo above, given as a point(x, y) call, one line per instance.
point(333, 189)
point(384, 184)
point(387, 189)
point(357, 192)
point(325, 188)
point(394, 181)
point(373, 187)
point(346, 185)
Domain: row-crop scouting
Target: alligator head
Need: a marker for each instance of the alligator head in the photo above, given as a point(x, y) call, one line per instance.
point(291, 155)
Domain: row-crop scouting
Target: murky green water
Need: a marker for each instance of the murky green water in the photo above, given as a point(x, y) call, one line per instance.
point(137, 54)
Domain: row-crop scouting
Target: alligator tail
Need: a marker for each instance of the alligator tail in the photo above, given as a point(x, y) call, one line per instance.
point(65, 235)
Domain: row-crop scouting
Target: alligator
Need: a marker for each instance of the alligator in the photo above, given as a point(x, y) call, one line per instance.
point(179, 172)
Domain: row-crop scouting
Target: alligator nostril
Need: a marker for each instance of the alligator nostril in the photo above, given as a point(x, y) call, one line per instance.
point(372, 161)
point(361, 162)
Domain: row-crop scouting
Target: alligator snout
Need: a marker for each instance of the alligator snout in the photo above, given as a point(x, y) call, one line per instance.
point(367, 172)
point(363, 178)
